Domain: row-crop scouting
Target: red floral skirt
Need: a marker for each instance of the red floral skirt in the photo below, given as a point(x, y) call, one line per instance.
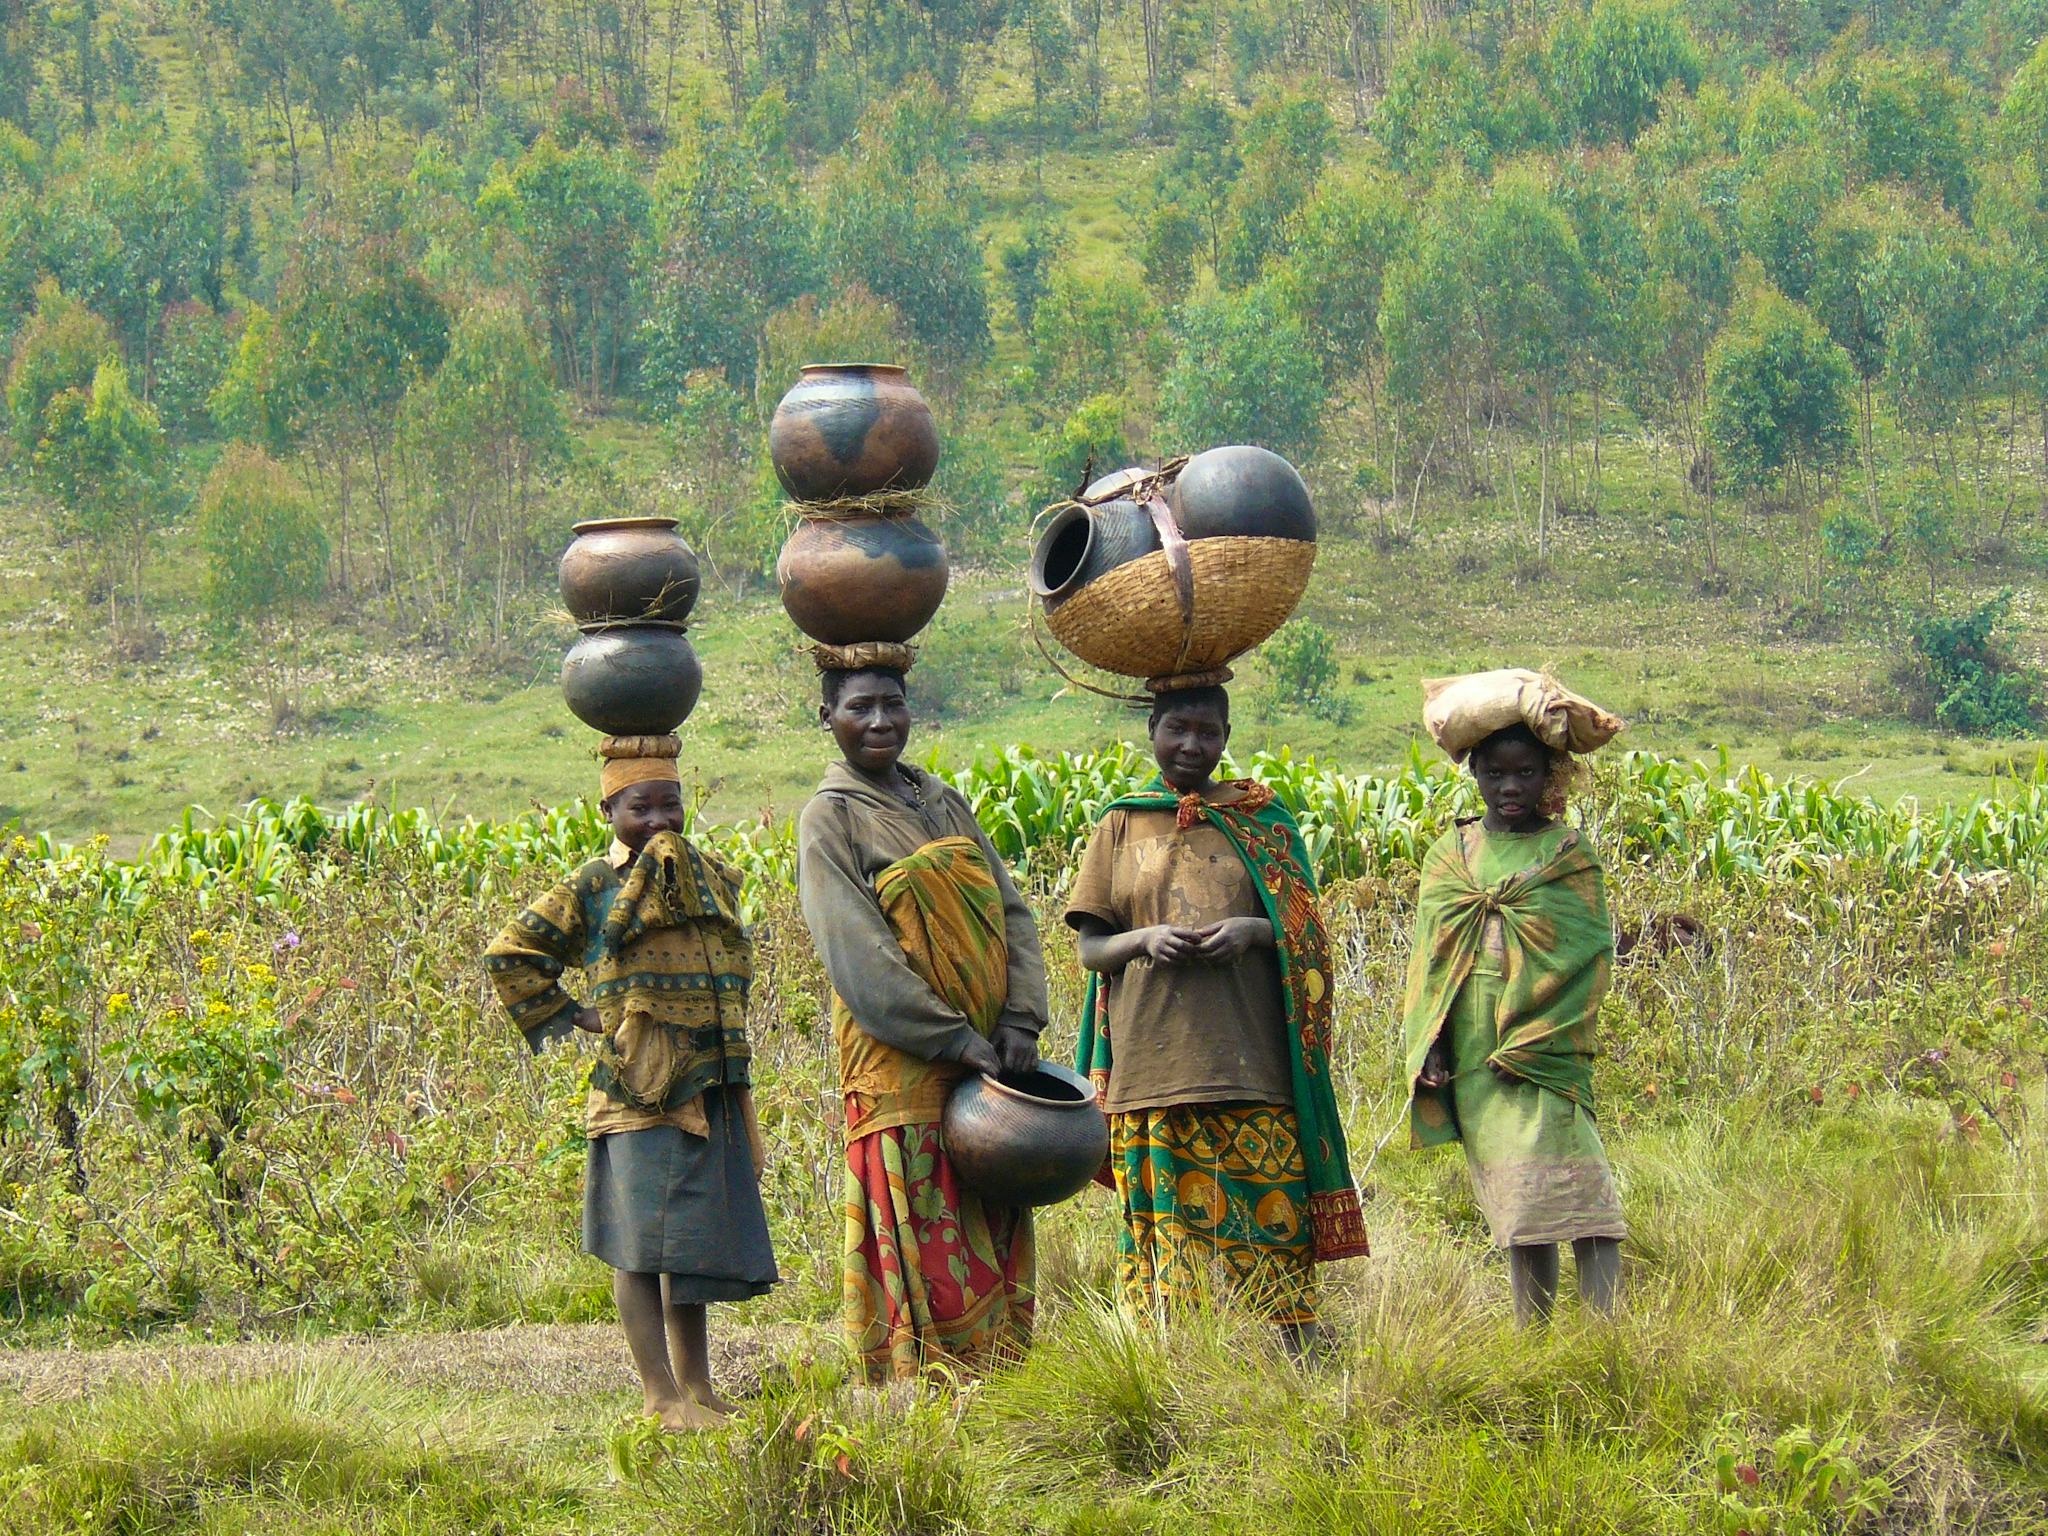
point(932, 1276)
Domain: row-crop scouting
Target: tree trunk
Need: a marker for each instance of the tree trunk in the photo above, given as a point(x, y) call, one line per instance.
point(1869, 451)
point(291, 132)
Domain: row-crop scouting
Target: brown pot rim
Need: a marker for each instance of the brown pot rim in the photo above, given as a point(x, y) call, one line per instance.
point(593, 524)
point(854, 368)
point(1051, 1069)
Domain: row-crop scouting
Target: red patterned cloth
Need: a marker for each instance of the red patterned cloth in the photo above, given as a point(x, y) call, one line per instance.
point(932, 1276)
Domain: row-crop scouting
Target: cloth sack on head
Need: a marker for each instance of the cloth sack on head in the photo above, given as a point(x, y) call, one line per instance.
point(1461, 712)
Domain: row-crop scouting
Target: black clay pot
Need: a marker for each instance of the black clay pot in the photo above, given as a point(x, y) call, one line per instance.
point(849, 579)
point(852, 429)
point(636, 680)
point(1031, 1140)
point(1082, 543)
point(619, 570)
point(1244, 492)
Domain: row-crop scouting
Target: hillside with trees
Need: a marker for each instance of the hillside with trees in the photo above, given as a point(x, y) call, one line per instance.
point(1702, 347)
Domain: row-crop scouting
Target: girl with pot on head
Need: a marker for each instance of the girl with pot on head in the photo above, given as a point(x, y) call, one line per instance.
point(936, 972)
point(1207, 1032)
point(1512, 956)
point(672, 1198)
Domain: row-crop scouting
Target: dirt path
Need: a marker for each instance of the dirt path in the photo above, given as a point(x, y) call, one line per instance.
point(541, 1360)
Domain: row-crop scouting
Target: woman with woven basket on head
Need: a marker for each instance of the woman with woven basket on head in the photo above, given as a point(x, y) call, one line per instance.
point(1513, 953)
point(936, 972)
point(1209, 975)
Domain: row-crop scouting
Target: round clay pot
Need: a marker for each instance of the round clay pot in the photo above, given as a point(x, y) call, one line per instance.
point(1082, 543)
point(849, 579)
point(633, 680)
point(1035, 1139)
point(851, 429)
point(1244, 492)
point(628, 569)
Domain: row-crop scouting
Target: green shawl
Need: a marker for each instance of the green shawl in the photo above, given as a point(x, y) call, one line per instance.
point(1560, 951)
point(1266, 838)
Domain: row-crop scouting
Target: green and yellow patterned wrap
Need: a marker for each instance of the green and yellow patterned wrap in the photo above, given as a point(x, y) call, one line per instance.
point(1558, 958)
point(1266, 838)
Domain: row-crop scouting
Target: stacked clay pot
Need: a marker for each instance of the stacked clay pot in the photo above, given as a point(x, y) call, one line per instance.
point(853, 444)
point(630, 584)
point(1105, 582)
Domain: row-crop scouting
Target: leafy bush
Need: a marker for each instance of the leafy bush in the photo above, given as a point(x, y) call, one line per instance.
point(1093, 434)
point(1966, 679)
point(1303, 661)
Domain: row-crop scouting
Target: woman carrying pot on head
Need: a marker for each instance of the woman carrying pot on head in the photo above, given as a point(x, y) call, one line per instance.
point(936, 972)
point(1210, 975)
point(1513, 953)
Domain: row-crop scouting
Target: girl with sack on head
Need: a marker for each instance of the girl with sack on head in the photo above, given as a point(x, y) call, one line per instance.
point(1513, 954)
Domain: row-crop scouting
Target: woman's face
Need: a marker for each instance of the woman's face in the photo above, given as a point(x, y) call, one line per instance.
point(1511, 777)
point(1187, 744)
point(870, 721)
point(639, 811)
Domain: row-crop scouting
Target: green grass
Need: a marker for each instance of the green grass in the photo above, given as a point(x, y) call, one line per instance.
point(1866, 1274)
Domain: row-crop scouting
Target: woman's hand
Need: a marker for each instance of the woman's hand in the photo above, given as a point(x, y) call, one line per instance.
point(1436, 1068)
point(1503, 1071)
point(1016, 1049)
point(980, 1056)
point(587, 1020)
point(1168, 945)
point(1228, 940)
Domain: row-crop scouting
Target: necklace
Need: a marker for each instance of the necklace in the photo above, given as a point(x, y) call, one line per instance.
point(916, 789)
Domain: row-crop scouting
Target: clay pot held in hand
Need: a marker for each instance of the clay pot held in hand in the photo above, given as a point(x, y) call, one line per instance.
point(627, 569)
point(1036, 1139)
point(852, 429)
point(635, 680)
point(849, 579)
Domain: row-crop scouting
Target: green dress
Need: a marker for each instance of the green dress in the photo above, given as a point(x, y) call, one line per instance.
point(1538, 1169)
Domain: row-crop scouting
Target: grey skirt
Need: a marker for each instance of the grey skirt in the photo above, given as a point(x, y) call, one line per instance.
point(658, 1202)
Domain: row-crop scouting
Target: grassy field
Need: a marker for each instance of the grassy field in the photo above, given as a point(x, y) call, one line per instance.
point(95, 744)
point(1866, 1281)
point(347, 1295)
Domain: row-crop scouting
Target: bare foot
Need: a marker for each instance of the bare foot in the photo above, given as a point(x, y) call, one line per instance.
point(687, 1416)
point(703, 1392)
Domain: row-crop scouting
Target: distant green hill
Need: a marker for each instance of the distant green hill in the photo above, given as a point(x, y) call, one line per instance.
point(1699, 350)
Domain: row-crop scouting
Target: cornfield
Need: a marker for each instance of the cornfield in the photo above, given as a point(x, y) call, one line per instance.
point(1694, 818)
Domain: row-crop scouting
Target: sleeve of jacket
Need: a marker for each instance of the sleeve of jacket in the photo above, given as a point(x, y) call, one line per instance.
point(862, 958)
point(525, 964)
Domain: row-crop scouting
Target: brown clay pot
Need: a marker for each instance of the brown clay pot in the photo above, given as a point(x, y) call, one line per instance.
point(1083, 542)
point(627, 569)
point(845, 580)
point(634, 680)
point(1241, 492)
point(1035, 1139)
point(852, 429)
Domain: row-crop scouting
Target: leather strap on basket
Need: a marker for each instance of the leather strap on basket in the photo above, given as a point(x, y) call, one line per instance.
point(1177, 561)
point(1031, 608)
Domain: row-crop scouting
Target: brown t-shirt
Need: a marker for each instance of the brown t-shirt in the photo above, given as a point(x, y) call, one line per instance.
point(1183, 1034)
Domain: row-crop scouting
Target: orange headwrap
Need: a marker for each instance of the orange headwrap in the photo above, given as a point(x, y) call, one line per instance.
point(636, 760)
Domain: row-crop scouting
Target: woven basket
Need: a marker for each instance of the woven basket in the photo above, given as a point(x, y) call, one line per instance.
point(1129, 621)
